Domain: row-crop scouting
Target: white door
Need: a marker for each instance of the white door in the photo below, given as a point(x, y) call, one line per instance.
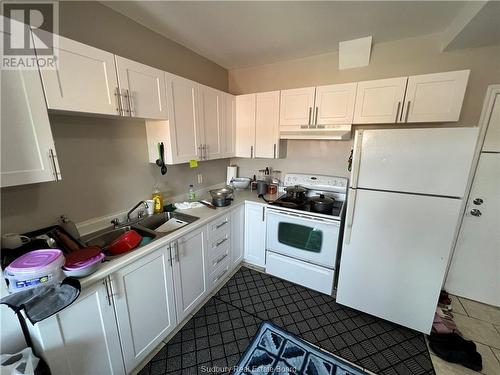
point(83, 338)
point(190, 274)
point(255, 234)
point(237, 235)
point(85, 80)
point(27, 147)
point(142, 88)
point(335, 104)
point(435, 97)
point(211, 114)
point(143, 294)
point(297, 107)
point(245, 125)
point(395, 253)
point(229, 125)
point(492, 139)
point(427, 161)
point(379, 101)
point(186, 138)
point(267, 130)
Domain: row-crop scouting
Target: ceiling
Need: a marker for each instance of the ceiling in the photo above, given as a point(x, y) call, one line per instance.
point(241, 34)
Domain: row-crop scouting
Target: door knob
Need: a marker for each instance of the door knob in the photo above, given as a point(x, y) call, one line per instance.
point(475, 212)
point(478, 201)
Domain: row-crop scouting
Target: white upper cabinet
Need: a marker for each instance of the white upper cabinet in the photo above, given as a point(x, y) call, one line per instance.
point(211, 115)
point(142, 89)
point(297, 106)
point(229, 134)
point(84, 80)
point(28, 154)
point(245, 126)
point(267, 124)
point(335, 104)
point(435, 97)
point(143, 293)
point(379, 101)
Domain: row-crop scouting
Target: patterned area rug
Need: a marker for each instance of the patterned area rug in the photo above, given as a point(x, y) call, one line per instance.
point(274, 350)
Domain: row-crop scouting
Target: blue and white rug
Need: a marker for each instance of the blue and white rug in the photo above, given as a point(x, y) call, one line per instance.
point(275, 351)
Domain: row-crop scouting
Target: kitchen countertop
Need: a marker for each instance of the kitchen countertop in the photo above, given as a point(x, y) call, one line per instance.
point(204, 215)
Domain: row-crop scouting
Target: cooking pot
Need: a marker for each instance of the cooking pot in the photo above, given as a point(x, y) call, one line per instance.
point(224, 192)
point(296, 193)
point(262, 187)
point(322, 204)
point(221, 201)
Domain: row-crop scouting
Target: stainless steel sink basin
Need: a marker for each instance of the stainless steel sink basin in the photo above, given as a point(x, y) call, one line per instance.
point(104, 237)
point(153, 222)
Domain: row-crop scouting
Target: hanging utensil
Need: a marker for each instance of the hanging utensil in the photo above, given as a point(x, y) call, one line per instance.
point(159, 163)
point(162, 157)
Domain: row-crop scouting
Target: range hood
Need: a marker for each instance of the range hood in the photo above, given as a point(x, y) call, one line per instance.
point(323, 132)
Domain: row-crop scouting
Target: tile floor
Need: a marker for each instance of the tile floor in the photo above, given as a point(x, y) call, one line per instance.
point(220, 331)
point(480, 323)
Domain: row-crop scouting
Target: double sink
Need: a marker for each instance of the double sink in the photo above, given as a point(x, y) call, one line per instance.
point(146, 227)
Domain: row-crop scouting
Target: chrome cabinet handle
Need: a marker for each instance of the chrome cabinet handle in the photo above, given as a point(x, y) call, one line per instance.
point(263, 214)
point(316, 117)
point(309, 120)
point(251, 152)
point(407, 111)
point(200, 155)
point(478, 201)
point(397, 112)
point(274, 151)
point(170, 260)
point(118, 97)
point(221, 224)
point(220, 259)
point(205, 152)
point(220, 275)
point(108, 295)
point(176, 251)
point(129, 100)
point(52, 158)
point(475, 212)
point(221, 242)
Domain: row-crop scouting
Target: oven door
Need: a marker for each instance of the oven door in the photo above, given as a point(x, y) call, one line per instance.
point(302, 236)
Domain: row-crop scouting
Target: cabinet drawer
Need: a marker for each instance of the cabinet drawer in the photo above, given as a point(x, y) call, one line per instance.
point(219, 257)
point(218, 228)
point(215, 244)
point(220, 273)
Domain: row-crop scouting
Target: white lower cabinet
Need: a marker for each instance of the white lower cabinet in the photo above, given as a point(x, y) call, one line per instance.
point(83, 338)
point(143, 293)
point(190, 272)
point(255, 234)
point(237, 235)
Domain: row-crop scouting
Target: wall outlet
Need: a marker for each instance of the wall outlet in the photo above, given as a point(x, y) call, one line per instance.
point(200, 178)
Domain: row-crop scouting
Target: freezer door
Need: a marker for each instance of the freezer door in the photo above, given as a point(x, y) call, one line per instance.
point(396, 248)
point(423, 161)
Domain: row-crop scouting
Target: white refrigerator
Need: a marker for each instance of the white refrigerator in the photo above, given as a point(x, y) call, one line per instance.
point(404, 203)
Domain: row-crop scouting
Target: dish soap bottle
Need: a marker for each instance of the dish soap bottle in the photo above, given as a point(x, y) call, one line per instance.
point(157, 197)
point(191, 193)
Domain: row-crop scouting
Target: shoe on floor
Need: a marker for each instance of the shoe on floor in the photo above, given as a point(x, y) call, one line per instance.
point(455, 349)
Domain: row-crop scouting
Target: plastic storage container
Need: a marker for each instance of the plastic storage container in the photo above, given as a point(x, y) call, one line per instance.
point(36, 268)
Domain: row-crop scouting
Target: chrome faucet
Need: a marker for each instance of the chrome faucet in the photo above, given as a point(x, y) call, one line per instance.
point(134, 208)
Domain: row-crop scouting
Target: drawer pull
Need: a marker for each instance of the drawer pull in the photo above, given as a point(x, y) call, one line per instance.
point(221, 224)
point(221, 242)
point(222, 274)
point(220, 259)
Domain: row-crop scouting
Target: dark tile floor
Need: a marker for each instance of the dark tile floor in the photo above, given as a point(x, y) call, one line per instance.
point(220, 331)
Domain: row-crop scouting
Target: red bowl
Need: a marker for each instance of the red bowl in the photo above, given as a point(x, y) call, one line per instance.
point(126, 242)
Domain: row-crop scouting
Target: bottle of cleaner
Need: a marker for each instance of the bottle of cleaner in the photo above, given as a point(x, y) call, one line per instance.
point(191, 193)
point(157, 197)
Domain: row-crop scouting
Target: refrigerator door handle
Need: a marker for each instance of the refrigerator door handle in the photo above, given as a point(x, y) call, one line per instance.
point(351, 203)
point(358, 140)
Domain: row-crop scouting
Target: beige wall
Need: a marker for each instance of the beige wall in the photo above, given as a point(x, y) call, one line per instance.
point(404, 57)
point(104, 162)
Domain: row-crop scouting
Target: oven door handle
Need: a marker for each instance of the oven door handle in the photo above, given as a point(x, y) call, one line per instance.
point(272, 211)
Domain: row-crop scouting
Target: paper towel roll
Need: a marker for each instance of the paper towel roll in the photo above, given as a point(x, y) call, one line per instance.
point(232, 172)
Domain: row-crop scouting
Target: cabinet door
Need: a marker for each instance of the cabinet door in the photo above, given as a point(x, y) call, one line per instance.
point(84, 81)
point(27, 147)
point(190, 272)
point(492, 138)
point(255, 234)
point(379, 101)
point(245, 126)
point(185, 134)
point(142, 88)
point(229, 134)
point(335, 104)
point(267, 132)
point(297, 106)
point(237, 235)
point(211, 112)
point(143, 294)
point(435, 97)
point(83, 338)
